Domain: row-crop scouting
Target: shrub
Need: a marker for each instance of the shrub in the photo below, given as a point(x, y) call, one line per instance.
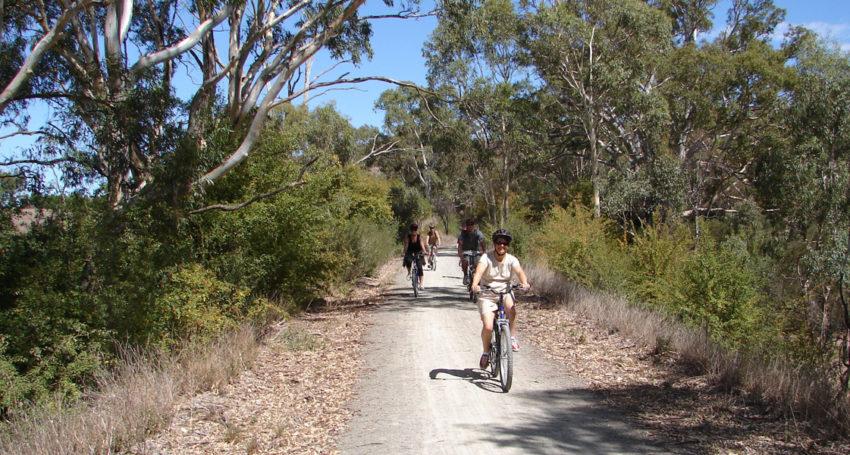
point(197, 306)
point(370, 244)
point(576, 244)
point(718, 289)
point(655, 255)
point(408, 206)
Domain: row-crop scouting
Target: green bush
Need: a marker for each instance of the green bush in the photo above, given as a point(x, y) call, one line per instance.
point(576, 244)
point(408, 206)
point(655, 256)
point(195, 305)
point(370, 244)
point(719, 289)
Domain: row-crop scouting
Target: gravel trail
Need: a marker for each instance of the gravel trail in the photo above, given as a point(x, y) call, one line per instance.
point(420, 389)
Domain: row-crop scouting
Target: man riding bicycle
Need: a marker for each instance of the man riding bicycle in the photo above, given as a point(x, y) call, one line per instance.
point(433, 242)
point(414, 247)
point(497, 269)
point(470, 239)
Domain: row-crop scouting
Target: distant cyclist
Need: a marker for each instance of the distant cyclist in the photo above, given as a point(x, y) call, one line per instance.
point(470, 239)
point(414, 247)
point(497, 269)
point(434, 241)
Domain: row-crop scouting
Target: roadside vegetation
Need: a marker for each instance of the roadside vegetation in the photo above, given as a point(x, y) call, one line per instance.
point(701, 183)
point(704, 180)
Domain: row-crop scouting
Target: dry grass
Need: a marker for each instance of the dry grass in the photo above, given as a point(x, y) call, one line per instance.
point(134, 401)
point(789, 389)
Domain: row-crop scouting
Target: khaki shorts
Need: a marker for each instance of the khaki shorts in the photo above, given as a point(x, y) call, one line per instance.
point(488, 303)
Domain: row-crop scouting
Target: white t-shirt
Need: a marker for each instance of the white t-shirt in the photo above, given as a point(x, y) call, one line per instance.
point(498, 274)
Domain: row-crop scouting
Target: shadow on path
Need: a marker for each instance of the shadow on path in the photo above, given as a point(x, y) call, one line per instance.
point(480, 378)
point(569, 421)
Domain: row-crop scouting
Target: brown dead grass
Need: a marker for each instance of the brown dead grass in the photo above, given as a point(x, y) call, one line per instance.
point(132, 402)
point(676, 382)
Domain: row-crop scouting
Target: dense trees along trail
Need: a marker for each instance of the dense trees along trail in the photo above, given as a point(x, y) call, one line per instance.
point(421, 390)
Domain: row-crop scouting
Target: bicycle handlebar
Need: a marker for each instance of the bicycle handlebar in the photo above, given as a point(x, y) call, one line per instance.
point(487, 287)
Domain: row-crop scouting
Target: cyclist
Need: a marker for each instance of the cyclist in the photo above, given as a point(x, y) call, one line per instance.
point(414, 246)
point(470, 239)
point(433, 241)
point(497, 269)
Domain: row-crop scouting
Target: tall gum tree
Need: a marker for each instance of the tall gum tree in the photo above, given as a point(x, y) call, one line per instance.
point(474, 55)
point(107, 69)
point(601, 61)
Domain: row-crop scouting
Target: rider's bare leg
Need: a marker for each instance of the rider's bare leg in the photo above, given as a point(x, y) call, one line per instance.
point(463, 265)
point(510, 309)
point(487, 330)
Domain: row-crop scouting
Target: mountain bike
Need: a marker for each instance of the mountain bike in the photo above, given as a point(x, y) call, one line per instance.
point(432, 258)
point(501, 354)
point(414, 273)
point(471, 262)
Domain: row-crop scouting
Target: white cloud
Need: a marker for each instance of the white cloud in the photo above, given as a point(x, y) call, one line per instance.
point(838, 33)
point(828, 30)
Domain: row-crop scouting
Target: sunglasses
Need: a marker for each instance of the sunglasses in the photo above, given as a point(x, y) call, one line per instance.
point(502, 243)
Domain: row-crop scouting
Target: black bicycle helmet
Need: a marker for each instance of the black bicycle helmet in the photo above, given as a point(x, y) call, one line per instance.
point(502, 234)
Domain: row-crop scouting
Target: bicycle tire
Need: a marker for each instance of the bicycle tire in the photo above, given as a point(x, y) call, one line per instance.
point(414, 277)
point(506, 359)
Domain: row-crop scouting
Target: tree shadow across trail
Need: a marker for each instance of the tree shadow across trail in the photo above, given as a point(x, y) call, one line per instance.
point(480, 378)
point(402, 299)
point(570, 420)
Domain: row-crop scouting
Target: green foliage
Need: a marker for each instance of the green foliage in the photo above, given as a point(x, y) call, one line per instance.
point(92, 278)
point(575, 243)
point(408, 206)
point(195, 305)
point(370, 243)
point(710, 285)
point(719, 288)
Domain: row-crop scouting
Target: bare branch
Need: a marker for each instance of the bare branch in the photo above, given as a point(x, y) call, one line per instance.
point(185, 44)
point(382, 150)
point(406, 14)
point(232, 207)
point(355, 80)
point(64, 159)
point(45, 43)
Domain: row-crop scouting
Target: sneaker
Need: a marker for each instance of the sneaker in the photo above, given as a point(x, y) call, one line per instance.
point(465, 280)
point(514, 344)
point(485, 360)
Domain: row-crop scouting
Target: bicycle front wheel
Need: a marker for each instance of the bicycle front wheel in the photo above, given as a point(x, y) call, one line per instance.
point(506, 357)
point(414, 278)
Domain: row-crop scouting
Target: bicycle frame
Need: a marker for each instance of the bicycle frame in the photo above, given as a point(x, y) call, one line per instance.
point(501, 355)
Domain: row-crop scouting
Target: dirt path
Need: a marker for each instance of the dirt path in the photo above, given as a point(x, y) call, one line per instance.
point(421, 390)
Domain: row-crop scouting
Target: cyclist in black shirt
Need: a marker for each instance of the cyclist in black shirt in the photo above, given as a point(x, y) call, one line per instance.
point(470, 239)
point(414, 246)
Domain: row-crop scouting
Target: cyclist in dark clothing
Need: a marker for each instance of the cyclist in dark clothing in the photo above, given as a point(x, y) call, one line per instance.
point(414, 247)
point(470, 239)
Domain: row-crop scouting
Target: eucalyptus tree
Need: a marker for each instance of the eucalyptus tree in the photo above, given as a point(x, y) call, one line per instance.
point(473, 54)
point(408, 129)
point(726, 106)
point(108, 71)
point(807, 183)
point(601, 62)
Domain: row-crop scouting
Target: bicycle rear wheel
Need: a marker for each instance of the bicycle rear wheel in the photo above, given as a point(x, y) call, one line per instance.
point(506, 357)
